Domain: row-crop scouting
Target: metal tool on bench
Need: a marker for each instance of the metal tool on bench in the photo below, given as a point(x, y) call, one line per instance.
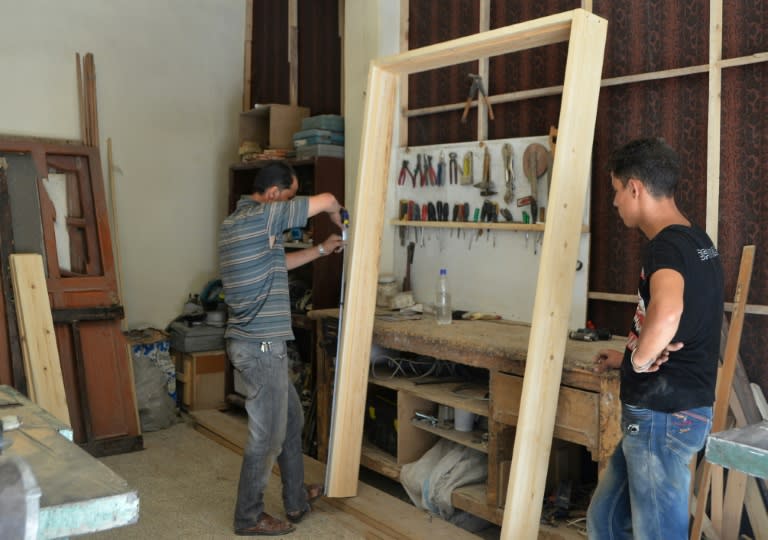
point(476, 88)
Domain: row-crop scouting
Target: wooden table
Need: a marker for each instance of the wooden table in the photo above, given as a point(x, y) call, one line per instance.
point(588, 408)
point(79, 494)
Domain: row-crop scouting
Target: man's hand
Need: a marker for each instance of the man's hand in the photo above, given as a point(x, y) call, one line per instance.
point(660, 359)
point(608, 359)
point(333, 244)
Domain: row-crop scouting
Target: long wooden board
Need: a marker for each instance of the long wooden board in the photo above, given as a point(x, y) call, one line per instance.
point(38, 339)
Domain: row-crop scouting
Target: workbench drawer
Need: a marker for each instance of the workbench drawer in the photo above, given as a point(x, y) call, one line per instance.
point(577, 418)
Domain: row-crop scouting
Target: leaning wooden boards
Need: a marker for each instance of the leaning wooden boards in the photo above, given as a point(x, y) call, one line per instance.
point(38, 339)
point(586, 34)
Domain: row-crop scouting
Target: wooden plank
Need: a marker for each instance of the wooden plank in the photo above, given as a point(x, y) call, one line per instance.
point(554, 290)
point(744, 449)
point(248, 46)
point(725, 380)
point(714, 116)
point(516, 37)
point(38, 339)
point(367, 224)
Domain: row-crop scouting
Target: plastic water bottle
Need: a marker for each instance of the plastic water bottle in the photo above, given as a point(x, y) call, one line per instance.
point(443, 299)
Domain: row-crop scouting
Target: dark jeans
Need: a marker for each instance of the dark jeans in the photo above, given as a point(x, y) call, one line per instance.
point(643, 493)
point(275, 424)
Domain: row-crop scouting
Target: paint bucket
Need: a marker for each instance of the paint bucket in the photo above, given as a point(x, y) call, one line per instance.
point(463, 420)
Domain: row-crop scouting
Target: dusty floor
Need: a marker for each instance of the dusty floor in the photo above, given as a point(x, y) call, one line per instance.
point(187, 484)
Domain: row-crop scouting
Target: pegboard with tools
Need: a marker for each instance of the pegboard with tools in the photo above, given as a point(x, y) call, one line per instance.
point(480, 210)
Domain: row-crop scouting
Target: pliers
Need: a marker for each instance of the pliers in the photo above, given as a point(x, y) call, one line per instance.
point(419, 171)
point(405, 173)
point(453, 169)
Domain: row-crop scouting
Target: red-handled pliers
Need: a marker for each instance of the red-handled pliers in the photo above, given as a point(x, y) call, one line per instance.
point(405, 173)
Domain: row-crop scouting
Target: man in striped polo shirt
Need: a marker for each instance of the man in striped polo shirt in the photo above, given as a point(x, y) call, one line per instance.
point(254, 271)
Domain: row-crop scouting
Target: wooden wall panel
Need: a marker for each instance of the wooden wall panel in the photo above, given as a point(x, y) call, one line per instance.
point(269, 55)
point(319, 56)
point(435, 22)
point(744, 198)
point(654, 35)
point(643, 37)
point(744, 27)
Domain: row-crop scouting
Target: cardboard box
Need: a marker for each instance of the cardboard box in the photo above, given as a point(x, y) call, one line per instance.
point(272, 126)
point(201, 379)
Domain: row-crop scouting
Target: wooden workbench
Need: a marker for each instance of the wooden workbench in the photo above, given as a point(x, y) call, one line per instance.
point(78, 493)
point(588, 408)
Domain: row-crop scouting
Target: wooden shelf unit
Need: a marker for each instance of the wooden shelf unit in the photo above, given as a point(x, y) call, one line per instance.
point(587, 415)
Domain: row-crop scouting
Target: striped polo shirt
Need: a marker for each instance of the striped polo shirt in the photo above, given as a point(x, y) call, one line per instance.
point(253, 272)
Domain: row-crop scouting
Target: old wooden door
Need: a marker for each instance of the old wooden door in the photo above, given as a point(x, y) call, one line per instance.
point(58, 208)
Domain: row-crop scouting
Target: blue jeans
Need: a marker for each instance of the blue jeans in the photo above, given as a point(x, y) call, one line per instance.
point(275, 424)
point(643, 493)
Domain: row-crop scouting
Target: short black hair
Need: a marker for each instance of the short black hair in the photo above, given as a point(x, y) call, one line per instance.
point(275, 173)
point(652, 161)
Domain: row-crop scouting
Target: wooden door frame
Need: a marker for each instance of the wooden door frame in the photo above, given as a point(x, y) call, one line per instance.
point(586, 34)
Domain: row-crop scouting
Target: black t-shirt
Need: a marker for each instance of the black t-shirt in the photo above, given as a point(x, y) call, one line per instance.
point(688, 378)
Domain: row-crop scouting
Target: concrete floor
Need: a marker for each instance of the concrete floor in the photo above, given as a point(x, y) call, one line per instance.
point(187, 485)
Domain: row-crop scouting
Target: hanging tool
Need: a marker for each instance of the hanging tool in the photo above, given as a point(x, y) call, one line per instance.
point(474, 89)
point(453, 169)
point(475, 219)
point(403, 214)
point(485, 185)
point(466, 175)
point(509, 176)
point(455, 217)
point(409, 262)
point(464, 214)
point(418, 171)
point(405, 173)
point(431, 177)
point(441, 169)
point(534, 165)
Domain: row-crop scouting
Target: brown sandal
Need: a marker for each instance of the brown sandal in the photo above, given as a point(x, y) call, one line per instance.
point(314, 492)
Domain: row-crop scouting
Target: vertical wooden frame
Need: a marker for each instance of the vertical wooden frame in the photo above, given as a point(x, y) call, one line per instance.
point(586, 33)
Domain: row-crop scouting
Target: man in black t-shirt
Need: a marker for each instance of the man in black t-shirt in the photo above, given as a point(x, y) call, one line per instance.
point(669, 366)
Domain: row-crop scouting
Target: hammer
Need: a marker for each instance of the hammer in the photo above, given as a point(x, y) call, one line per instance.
point(477, 86)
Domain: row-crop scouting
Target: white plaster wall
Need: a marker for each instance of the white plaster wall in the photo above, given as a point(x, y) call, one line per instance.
point(169, 87)
point(371, 30)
